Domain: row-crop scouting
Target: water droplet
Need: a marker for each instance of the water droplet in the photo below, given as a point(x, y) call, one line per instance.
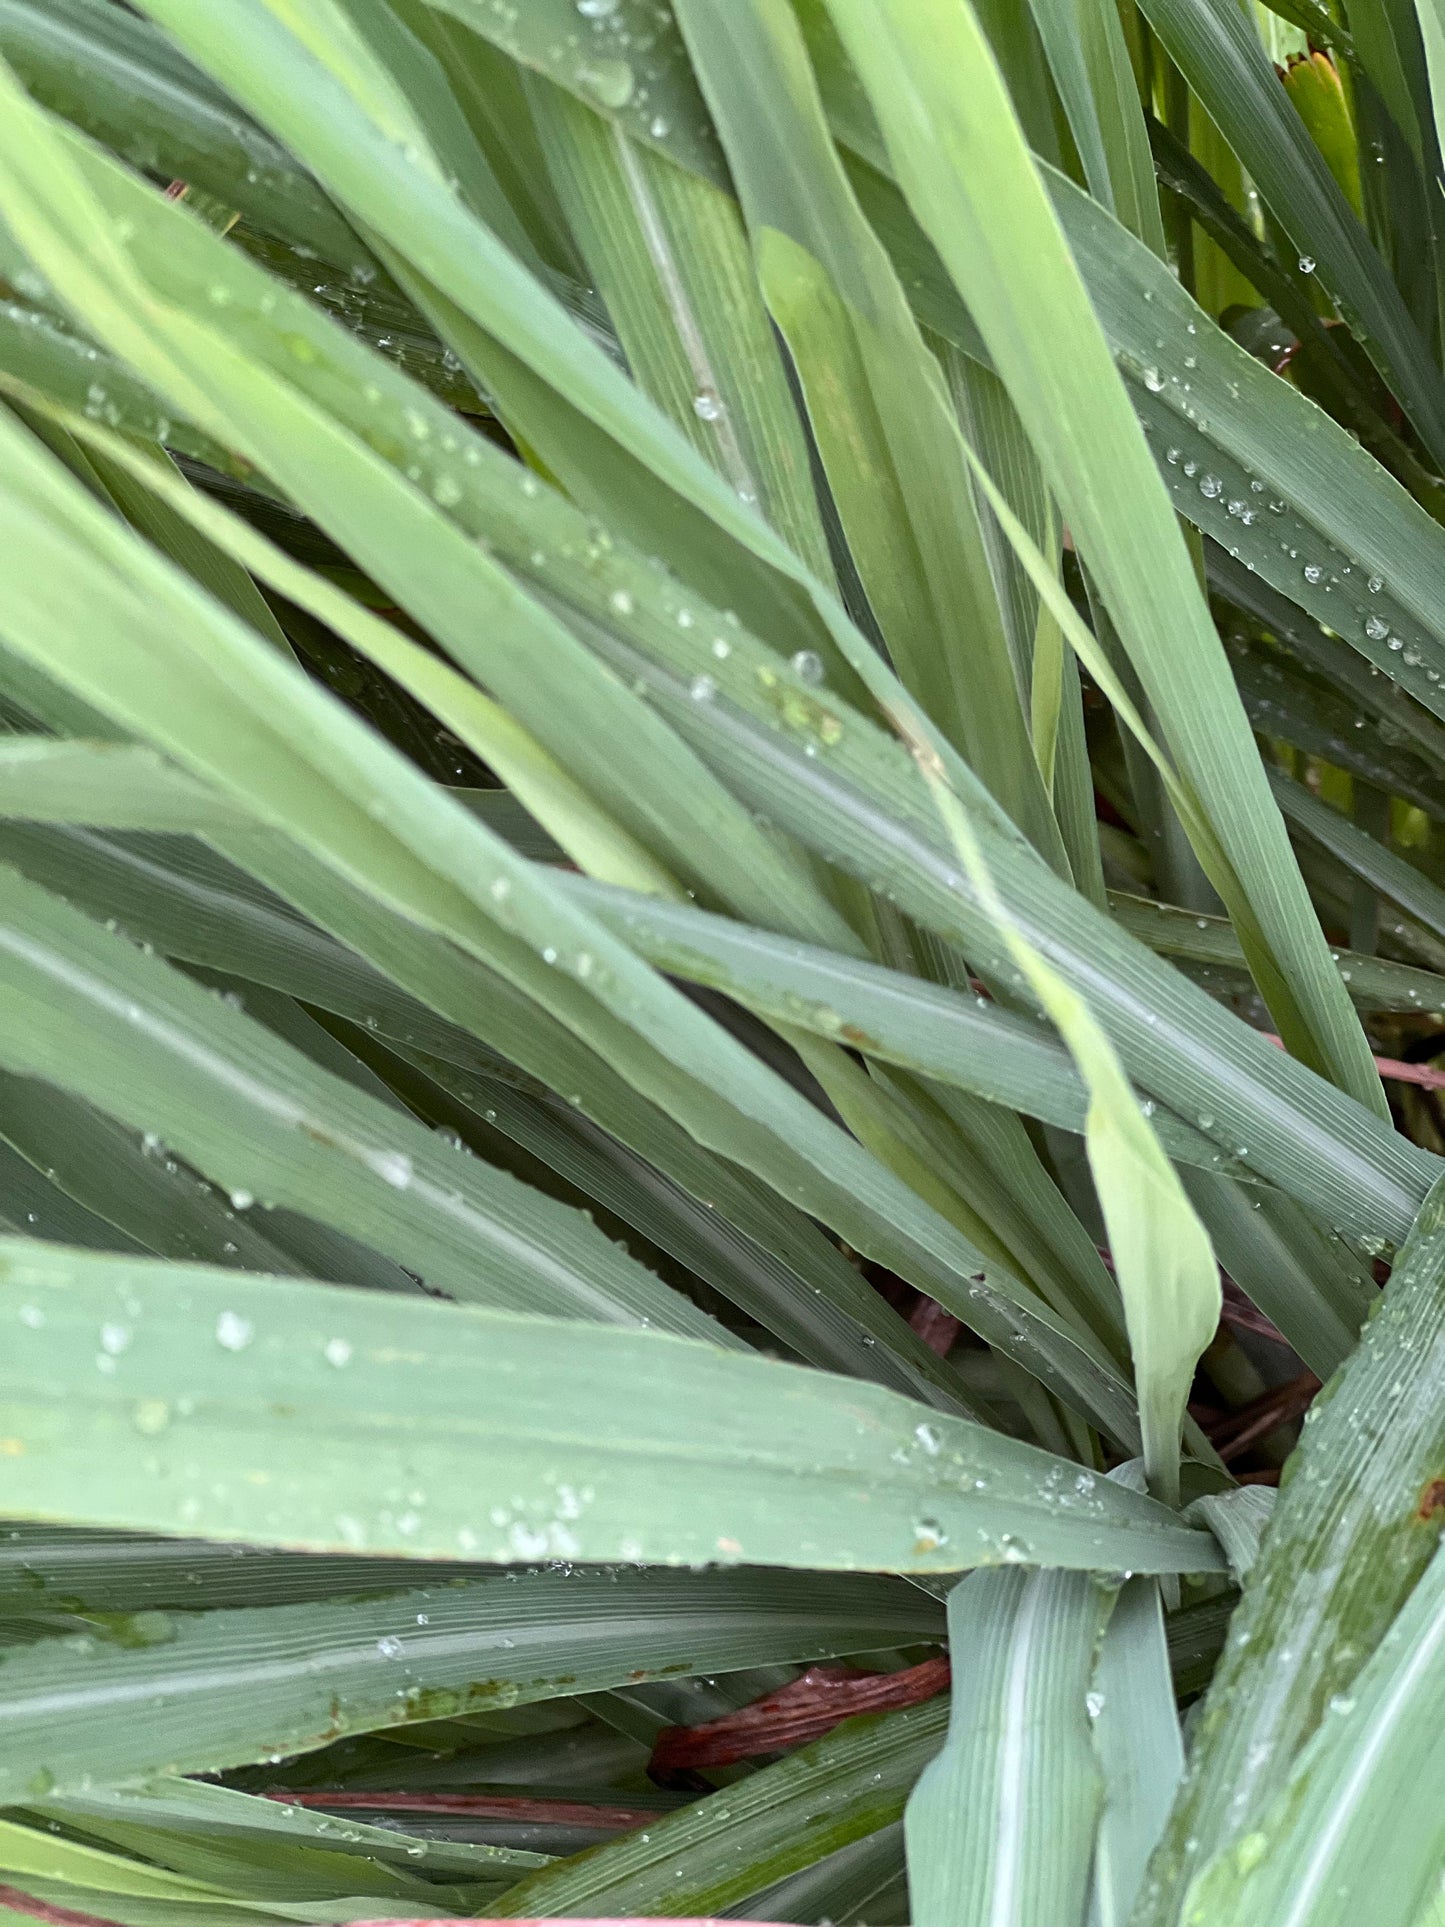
point(622, 602)
point(394, 1166)
point(1153, 380)
point(1375, 584)
point(597, 9)
point(707, 406)
point(233, 1332)
point(389, 1646)
point(928, 1535)
point(242, 1200)
point(1211, 486)
point(702, 689)
point(1306, 264)
point(1093, 1704)
point(1376, 628)
point(808, 665)
point(609, 81)
point(114, 1339)
point(1171, 455)
point(928, 1438)
point(338, 1351)
point(1312, 571)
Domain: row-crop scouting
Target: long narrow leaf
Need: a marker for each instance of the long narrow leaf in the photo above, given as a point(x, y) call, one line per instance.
point(1334, 1572)
point(361, 1418)
point(1001, 1827)
point(225, 1688)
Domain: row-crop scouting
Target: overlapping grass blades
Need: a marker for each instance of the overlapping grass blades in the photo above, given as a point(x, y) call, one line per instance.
point(659, 664)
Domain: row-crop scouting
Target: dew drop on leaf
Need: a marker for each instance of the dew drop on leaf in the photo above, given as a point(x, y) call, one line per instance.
point(394, 1166)
point(610, 82)
point(233, 1332)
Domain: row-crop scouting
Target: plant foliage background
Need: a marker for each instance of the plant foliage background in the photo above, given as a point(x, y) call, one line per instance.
point(723, 761)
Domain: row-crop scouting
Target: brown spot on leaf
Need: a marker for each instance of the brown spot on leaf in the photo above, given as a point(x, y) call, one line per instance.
point(1432, 1500)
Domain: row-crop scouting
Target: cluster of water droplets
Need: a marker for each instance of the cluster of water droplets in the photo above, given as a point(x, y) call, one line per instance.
point(613, 59)
point(1305, 579)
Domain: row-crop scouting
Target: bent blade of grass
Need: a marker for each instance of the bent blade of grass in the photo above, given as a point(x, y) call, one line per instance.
point(1162, 1256)
point(962, 161)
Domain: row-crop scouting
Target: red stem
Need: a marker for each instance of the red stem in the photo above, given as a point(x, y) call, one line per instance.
point(796, 1713)
point(1259, 1418)
point(1393, 1068)
point(476, 1806)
